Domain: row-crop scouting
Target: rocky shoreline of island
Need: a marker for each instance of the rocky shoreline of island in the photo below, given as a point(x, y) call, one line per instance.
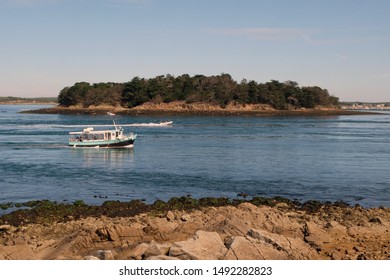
point(196, 229)
point(181, 108)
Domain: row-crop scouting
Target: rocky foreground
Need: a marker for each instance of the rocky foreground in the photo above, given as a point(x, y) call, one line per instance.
point(240, 232)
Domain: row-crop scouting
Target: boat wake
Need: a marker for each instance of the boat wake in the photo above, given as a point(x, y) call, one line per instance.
point(160, 124)
point(148, 124)
point(169, 123)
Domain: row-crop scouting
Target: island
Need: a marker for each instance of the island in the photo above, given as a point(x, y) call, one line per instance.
point(195, 95)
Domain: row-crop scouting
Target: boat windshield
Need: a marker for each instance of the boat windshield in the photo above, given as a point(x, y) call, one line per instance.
point(87, 136)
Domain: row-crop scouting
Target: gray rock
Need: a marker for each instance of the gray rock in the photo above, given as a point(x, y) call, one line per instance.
point(105, 255)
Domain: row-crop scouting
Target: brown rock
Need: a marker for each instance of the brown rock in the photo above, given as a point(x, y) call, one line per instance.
point(91, 258)
point(287, 247)
point(5, 228)
point(17, 252)
point(138, 252)
point(203, 246)
point(185, 217)
point(162, 258)
point(170, 216)
point(243, 249)
point(246, 206)
point(248, 231)
point(316, 236)
point(156, 249)
point(163, 229)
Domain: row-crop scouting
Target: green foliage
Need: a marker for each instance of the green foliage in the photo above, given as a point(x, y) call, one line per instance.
point(103, 93)
point(79, 203)
point(134, 92)
point(220, 90)
point(5, 206)
point(73, 95)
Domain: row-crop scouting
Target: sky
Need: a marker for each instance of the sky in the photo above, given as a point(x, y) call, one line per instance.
point(340, 45)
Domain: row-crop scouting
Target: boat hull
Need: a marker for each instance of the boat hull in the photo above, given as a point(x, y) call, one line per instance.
point(125, 143)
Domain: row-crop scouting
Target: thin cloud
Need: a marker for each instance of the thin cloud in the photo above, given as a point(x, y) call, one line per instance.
point(347, 40)
point(266, 34)
point(310, 36)
point(340, 56)
point(346, 36)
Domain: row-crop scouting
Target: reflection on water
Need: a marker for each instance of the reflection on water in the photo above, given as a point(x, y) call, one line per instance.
point(109, 157)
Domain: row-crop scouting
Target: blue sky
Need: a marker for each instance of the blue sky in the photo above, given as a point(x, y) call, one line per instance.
point(343, 45)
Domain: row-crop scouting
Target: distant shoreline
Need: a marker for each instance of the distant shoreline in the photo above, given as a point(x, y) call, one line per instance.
point(10, 100)
point(28, 103)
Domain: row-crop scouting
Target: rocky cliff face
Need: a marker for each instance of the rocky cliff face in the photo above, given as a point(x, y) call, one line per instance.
point(221, 233)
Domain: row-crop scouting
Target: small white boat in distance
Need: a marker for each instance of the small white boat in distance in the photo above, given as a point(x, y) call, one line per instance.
point(152, 124)
point(110, 114)
point(114, 138)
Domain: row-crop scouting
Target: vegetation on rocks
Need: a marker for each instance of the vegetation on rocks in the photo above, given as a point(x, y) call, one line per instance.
point(46, 212)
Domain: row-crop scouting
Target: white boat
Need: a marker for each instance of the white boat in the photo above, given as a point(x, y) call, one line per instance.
point(166, 123)
point(114, 138)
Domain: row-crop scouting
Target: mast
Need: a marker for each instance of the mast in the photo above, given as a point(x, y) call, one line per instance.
point(114, 124)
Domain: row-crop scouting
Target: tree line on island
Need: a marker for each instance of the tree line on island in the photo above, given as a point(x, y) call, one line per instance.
point(220, 89)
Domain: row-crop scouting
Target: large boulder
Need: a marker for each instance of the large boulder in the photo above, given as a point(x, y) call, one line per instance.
point(202, 246)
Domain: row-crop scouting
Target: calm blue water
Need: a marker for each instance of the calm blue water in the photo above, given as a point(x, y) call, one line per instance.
point(323, 158)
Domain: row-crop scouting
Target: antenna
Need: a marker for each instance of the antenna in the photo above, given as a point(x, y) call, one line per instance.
point(114, 124)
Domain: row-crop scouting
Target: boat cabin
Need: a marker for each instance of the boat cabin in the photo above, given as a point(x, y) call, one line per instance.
point(88, 134)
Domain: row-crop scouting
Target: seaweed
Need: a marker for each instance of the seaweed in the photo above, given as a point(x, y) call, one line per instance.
point(48, 212)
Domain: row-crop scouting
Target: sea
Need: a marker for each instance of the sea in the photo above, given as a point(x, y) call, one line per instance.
point(325, 158)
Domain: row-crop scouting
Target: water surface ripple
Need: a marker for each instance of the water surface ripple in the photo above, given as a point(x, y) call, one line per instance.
point(324, 158)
